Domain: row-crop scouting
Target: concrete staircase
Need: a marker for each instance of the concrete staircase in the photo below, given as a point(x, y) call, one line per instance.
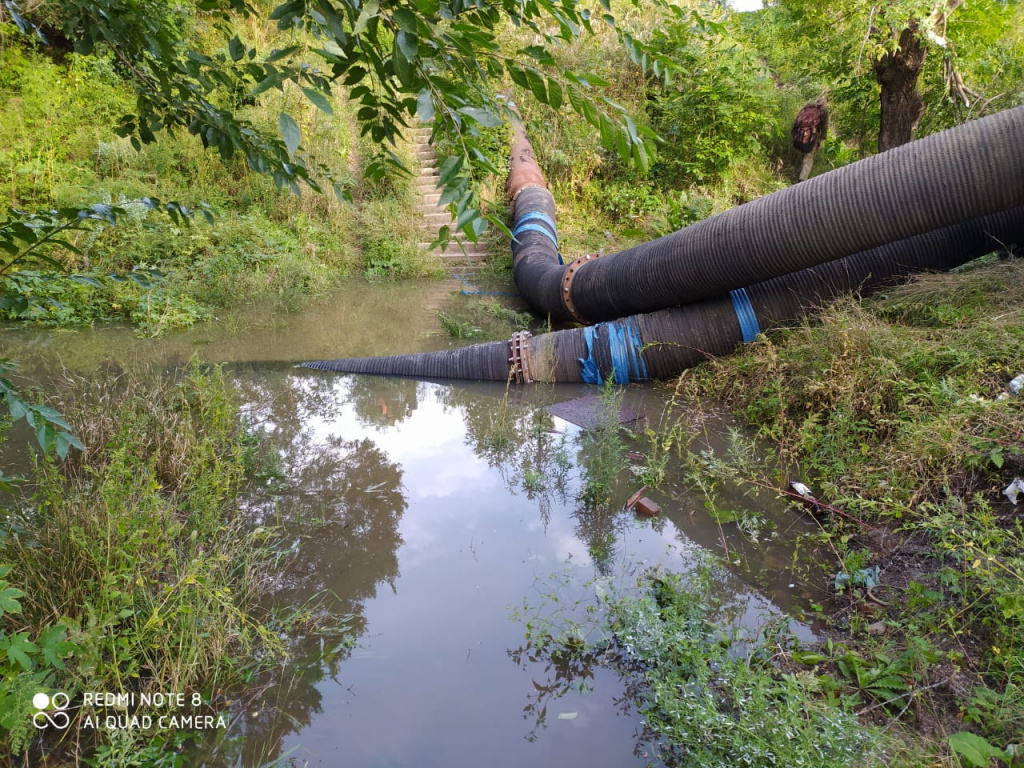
point(434, 215)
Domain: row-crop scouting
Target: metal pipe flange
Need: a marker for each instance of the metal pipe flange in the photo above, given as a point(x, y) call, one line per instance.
point(567, 278)
point(519, 357)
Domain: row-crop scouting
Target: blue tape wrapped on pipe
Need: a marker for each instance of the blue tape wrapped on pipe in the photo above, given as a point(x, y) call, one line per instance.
point(745, 314)
point(525, 224)
point(541, 217)
point(625, 348)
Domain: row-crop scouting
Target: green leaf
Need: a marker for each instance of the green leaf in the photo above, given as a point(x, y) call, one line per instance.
point(370, 9)
point(405, 20)
point(289, 132)
point(19, 649)
point(722, 515)
point(86, 280)
point(536, 83)
point(236, 49)
point(17, 407)
point(425, 106)
point(9, 600)
point(46, 436)
point(407, 44)
point(66, 440)
point(975, 749)
point(540, 54)
point(996, 455)
point(51, 415)
point(271, 81)
point(554, 94)
point(517, 74)
point(482, 116)
point(319, 100)
point(52, 641)
point(468, 215)
point(449, 169)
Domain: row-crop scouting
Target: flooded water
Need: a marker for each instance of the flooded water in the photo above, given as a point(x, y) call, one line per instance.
point(441, 518)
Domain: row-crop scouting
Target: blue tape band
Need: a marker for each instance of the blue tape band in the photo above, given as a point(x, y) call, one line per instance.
point(588, 366)
point(528, 227)
point(538, 216)
point(625, 347)
point(535, 228)
point(745, 314)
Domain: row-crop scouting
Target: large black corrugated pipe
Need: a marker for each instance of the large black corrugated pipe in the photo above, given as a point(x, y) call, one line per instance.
point(479, 362)
point(661, 344)
point(964, 173)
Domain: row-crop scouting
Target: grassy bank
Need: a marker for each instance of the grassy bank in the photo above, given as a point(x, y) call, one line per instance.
point(893, 410)
point(130, 569)
point(264, 245)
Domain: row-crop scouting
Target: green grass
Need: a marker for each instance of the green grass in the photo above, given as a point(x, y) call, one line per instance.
point(264, 245)
point(893, 410)
point(132, 566)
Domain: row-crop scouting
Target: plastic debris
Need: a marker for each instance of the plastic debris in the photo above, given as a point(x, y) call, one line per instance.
point(1013, 490)
point(802, 490)
point(804, 493)
point(1014, 388)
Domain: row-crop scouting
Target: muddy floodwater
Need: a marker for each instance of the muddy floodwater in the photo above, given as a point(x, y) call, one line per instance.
point(440, 518)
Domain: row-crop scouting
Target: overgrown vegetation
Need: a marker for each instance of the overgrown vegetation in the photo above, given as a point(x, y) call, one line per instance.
point(131, 569)
point(893, 410)
point(261, 245)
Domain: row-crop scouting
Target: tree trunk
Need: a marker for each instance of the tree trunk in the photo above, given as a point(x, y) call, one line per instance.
point(805, 166)
point(902, 105)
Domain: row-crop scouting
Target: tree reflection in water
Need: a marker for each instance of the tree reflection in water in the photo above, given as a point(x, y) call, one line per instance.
point(518, 439)
point(339, 503)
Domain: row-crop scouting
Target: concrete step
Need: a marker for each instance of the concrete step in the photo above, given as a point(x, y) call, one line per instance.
point(435, 220)
point(430, 198)
point(428, 171)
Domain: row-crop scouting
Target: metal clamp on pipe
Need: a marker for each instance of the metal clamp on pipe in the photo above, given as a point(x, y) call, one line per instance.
point(519, 357)
point(567, 277)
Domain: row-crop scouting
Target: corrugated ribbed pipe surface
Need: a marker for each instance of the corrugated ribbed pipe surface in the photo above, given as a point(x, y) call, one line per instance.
point(661, 344)
point(964, 173)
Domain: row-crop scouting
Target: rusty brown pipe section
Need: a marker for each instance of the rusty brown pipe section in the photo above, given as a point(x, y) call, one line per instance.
point(523, 170)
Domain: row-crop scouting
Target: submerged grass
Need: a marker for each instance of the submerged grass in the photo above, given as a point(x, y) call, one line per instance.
point(131, 569)
point(715, 700)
